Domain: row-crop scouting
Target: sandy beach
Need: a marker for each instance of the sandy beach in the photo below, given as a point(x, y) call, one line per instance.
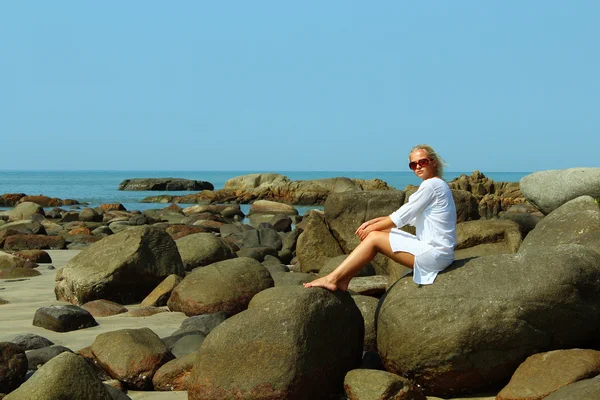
point(26, 295)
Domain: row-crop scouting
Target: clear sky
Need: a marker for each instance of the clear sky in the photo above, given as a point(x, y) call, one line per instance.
point(310, 85)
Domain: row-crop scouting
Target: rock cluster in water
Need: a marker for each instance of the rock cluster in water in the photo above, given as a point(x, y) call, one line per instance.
point(520, 303)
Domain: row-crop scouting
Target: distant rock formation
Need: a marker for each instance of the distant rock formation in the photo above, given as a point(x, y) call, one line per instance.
point(170, 184)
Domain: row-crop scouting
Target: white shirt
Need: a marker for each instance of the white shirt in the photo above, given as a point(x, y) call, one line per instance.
point(432, 211)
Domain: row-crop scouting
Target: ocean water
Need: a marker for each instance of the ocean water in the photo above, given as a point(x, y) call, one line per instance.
point(97, 187)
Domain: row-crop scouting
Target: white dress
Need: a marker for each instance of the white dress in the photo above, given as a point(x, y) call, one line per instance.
point(432, 211)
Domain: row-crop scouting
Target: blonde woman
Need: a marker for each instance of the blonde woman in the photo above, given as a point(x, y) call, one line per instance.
point(430, 209)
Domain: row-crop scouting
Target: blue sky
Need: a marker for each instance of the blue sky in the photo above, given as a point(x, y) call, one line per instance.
point(312, 85)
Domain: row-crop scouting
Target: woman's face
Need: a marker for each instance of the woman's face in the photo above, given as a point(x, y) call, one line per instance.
point(423, 172)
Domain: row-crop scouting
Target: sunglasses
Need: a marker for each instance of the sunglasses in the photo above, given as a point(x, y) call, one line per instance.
point(423, 162)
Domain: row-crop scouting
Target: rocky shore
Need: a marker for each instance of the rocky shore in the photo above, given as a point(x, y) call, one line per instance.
point(189, 302)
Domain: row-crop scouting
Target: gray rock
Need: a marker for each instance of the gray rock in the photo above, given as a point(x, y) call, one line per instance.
point(203, 323)
point(187, 344)
point(25, 210)
point(255, 354)
point(63, 318)
point(480, 320)
point(201, 249)
point(31, 341)
point(257, 253)
point(291, 278)
point(164, 184)
point(131, 355)
point(587, 389)
point(90, 215)
point(316, 243)
point(548, 190)
point(124, 267)
point(370, 384)
point(577, 221)
point(332, 263)
point(223, 286)
point(66, 376)
point(368, 306)
point(486, 237)
point(38, 357)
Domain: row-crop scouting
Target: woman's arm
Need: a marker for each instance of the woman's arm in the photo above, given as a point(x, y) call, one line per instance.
point(377, 224)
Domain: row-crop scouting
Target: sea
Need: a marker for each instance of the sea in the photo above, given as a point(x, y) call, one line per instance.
point(98, 187)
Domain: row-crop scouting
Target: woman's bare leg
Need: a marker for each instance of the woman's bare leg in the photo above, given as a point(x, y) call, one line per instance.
point(375, 242)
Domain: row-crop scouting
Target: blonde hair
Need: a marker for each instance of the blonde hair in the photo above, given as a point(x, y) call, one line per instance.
point(439, 168)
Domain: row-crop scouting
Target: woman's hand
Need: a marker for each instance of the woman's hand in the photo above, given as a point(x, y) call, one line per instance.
point(376, 224)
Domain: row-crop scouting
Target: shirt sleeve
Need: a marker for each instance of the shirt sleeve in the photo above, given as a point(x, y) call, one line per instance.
point(417, 203)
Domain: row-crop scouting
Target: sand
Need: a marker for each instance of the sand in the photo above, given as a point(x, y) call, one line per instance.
point(26, 295)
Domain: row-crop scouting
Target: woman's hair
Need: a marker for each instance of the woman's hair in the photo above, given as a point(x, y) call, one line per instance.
point(439, 169)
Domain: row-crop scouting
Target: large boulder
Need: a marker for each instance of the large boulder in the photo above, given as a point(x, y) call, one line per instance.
point(168, 184)
point(11, 261)
point(345, 212)
point(124, 267)
point(33, 242)
point(548, 190)
point(544, 373)
point(66, 376)
point(131, 355)
point(577, 221)
point(201, 249)
point(291, 343)
point(223, 286)
point(25, 210)
point(486, 237)
point(480, 320)
point(316, 243)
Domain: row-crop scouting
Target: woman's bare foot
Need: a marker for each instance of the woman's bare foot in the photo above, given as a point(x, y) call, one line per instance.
point(328, 283)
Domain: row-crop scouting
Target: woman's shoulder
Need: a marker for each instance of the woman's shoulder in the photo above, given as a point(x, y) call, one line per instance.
point(434, 182)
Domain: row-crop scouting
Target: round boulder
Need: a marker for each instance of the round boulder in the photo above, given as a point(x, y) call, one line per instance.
point(200, 249)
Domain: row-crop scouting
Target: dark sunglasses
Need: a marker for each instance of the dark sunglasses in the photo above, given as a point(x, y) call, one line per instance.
point(423, 162)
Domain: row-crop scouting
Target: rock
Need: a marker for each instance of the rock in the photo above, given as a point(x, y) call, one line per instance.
point(13, 366)
point(587, 389)
point(467, 206)
point(146, 311)
point(36, 256)
point(272, 207)
point(544, 373)
point(11, 261)
point(202, 323)
point(165, 184)
point(34, 242)
point(187, 344)
point(369, 285)
point(10, 199)
point(63, 318)
point(16, 272)
point(257, 253)
point(486, 237)
point(43, 201)
point(124, 267)
point(131, 355)
point(90, 215)
point(474, 326)
point(262, 237)
point(160, 295)
point(577, 221)
point(368, 306)
point(178, 231)
point(112, 207)
point(281, 223)
point(345, 212)
point(38, 357)
point(31, 341)
point(25, 211)
point(174, 374)
point(70, 216)
point(223, 286)
point(25, 226)
point(103, 308)
point(370, 384)
point(548, 190)
point(201, 249)
point(316, 243)
point(66, 376)
point(278, 322)
point(291, 278)
point(332, 263)
point(165, 215)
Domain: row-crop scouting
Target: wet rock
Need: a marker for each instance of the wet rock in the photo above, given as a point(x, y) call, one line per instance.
point(63, 318)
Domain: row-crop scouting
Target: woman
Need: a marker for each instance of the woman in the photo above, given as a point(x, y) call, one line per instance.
point(430, 209)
